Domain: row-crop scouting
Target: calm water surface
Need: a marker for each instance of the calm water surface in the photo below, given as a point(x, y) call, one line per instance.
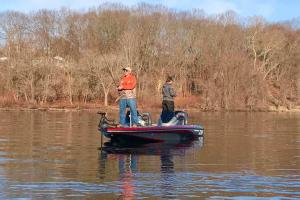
point(54, 155)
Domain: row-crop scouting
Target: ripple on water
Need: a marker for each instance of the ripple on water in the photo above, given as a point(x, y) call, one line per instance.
point(53, 155)
point(187, 184)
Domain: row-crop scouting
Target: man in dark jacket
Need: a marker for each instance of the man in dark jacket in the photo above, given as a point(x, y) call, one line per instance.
point(168, 94)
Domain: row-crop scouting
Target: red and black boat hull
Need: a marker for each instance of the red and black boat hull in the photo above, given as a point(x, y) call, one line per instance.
point(154, 134)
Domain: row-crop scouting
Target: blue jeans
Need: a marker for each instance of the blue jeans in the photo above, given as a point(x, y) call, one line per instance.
point(123, 104)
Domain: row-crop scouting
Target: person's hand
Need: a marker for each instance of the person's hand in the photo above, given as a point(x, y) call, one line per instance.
point(119, 88)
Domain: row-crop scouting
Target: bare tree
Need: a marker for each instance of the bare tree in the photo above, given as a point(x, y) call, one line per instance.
point(220, 62)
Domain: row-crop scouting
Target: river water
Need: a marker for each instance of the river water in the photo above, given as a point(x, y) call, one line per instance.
point(55, 155)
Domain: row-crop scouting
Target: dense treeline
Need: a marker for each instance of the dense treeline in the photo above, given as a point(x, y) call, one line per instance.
point(219, 62)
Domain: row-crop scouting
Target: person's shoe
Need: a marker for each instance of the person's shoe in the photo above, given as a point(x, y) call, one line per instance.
point(120, 126)
point(134, 126)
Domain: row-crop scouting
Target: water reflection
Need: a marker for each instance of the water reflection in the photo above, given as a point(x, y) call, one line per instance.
point(128, 164)
point(127, 167)
point(53, 155)
point(168, 179)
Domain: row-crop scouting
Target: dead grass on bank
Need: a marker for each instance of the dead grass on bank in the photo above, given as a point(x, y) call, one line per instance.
point(7, 101)
point(151, 103)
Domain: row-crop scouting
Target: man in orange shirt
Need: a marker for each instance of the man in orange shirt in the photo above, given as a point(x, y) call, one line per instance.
point(128, 97)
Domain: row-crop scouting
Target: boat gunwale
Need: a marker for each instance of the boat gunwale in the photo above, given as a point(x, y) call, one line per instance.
point(155, 129)
point(158, 127)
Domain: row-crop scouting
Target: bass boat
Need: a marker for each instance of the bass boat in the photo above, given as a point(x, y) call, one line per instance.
point(175, 130)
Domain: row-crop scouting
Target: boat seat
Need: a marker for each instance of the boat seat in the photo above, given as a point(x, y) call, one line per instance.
point(144, 119)
point(180, 118)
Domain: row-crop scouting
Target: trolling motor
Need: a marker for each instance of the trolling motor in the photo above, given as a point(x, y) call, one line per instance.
point(104, 122)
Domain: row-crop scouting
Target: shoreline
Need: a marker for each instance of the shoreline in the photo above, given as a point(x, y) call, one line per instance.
point(116, 108)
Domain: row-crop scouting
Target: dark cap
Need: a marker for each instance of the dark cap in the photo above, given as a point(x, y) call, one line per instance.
point(169, 79)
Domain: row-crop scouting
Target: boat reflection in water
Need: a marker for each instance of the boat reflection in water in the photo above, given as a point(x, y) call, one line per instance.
point(128, 156)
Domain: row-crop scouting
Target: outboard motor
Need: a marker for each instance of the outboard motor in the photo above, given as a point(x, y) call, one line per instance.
point(180, 118)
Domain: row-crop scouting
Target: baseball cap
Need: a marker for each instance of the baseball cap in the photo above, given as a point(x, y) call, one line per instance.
point(127, 69)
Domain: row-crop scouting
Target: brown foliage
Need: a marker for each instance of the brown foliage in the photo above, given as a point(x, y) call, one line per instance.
point(218, 63)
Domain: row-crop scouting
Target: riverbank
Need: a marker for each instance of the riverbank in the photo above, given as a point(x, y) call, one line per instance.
point(111, 108)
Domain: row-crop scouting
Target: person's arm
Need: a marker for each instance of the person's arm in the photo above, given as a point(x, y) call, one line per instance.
point(172, 92)
point(120, 87)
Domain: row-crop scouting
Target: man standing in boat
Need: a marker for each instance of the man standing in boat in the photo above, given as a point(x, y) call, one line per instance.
point(168, 94)
point(127, 90)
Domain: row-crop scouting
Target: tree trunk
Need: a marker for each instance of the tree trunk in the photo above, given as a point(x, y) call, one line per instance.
point(106, 92)
point(32, 89)
point(70, 89)
point(106, 98)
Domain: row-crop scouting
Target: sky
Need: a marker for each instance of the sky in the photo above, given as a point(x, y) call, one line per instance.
point(271, 10)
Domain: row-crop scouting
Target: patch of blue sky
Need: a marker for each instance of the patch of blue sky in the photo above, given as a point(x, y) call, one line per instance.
point(271, 10)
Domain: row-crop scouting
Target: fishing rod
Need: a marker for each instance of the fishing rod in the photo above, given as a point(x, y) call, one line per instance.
point(110, 72)
point(112, 77)
point(114, 80)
